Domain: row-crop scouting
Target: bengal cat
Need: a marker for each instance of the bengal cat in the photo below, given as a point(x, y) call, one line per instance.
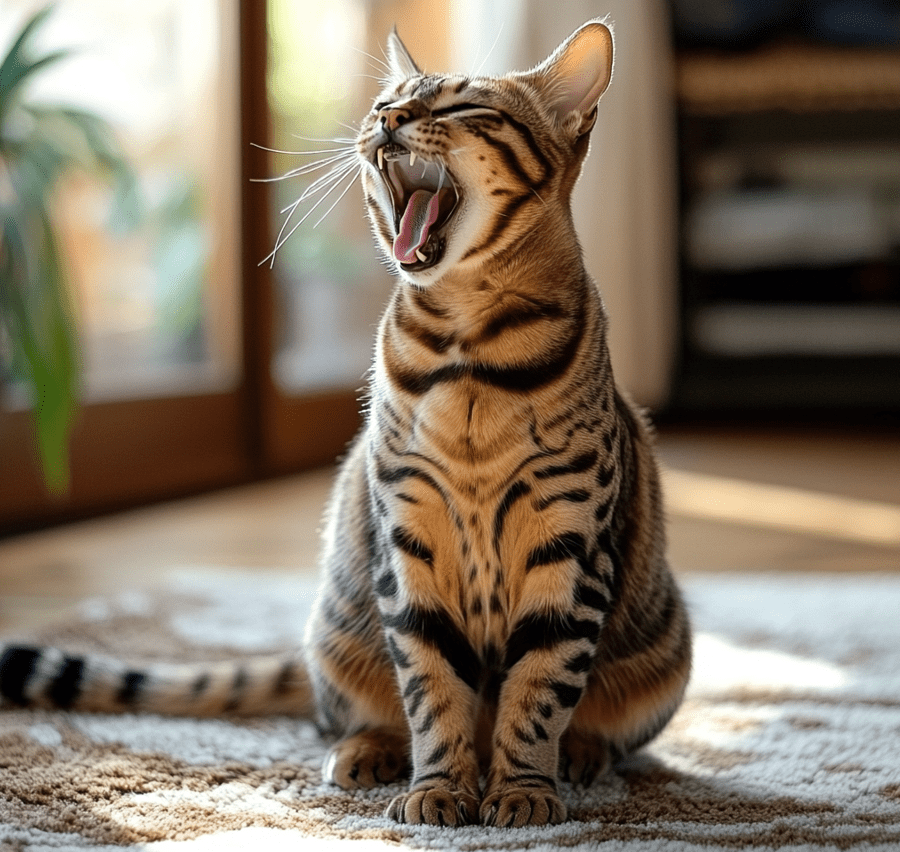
point(496, 610)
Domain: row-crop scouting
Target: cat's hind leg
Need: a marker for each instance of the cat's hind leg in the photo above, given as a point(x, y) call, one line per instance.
point(583, 757)
point(625, 705)
point(367, 759)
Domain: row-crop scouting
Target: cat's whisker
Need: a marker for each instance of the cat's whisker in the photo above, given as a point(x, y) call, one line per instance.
point(278, 240)
point(334, 158)
point(326, 179)
point(334, 177)
point(340, 163)
point(302, 153)
point(346, 149)
point(347, 188)
point(383, 65)
point(283, 238)
point(494, 45)
point(336, 141)
point(336, 174)
point(308, 169)
point(349, 141)
point(326, 187)
point(287, 176)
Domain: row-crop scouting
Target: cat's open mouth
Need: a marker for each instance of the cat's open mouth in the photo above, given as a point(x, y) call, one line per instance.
point(424, 197)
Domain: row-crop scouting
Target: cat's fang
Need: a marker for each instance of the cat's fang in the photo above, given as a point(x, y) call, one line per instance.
point(381, 159)
point(421, 256)
point(412, 159)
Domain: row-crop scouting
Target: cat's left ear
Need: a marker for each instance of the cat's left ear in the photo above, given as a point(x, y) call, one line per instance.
point(401, 64)
point(576, 74)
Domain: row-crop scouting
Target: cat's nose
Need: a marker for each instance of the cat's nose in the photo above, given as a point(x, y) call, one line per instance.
point(392, 117)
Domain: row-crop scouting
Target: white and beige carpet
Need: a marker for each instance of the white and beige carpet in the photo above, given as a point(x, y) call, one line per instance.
point(789, 738)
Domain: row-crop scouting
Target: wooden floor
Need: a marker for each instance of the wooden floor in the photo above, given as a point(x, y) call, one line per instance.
point(737, 501)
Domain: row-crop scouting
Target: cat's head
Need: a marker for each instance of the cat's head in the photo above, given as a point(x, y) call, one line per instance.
point(456, 169)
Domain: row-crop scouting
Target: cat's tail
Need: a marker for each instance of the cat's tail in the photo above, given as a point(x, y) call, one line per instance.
point(40, 676)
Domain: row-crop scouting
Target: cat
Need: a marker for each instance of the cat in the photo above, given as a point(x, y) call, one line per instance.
point(496, 603)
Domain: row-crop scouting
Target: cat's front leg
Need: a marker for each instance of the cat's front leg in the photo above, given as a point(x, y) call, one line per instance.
point(548, 659)
point(533, 712)
point(435, 670)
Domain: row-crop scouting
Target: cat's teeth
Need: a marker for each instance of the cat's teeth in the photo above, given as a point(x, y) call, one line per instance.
point(381, 159)
point(412, 159)
point(421, 256)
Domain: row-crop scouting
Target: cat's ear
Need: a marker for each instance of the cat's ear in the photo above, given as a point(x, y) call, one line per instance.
point(576, 74)
point(402, 65)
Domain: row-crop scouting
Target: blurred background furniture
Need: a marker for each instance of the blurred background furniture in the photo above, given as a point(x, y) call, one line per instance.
point(789, 148)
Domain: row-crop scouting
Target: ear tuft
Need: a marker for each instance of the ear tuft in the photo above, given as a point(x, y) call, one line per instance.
point(402, 65)
point(579, 70)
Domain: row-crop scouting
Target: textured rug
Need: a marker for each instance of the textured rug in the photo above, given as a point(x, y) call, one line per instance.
point(789, 738)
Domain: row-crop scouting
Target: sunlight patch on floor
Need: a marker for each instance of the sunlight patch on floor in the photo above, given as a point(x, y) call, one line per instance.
point(720, 666)
point(719, 498)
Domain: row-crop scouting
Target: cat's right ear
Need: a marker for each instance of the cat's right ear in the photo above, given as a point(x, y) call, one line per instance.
point(401, 64)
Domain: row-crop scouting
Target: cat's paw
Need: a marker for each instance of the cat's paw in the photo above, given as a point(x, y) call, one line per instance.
point(583, 758)
point(520, 806)
point(366, 760)
point(434, 806)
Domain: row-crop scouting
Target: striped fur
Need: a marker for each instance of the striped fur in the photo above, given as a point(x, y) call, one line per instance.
point(496, 610)
point(496, 600)
point(32, 675)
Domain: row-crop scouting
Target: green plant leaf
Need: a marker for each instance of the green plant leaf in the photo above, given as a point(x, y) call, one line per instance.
point(104, 150)
point(56, 377)
point(44, 339)
point(38, 146)
point(17, 66)
point(33, 23)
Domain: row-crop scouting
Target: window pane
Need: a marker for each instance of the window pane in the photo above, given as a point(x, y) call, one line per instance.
point(158, 304)
point(330, 286)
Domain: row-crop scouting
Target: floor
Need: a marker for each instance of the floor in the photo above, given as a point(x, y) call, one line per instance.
point(738, 500)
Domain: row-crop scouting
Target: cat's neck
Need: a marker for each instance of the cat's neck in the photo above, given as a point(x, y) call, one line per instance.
point(536, 268)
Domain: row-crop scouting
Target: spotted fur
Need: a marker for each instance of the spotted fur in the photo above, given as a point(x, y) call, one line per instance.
point(496, 611)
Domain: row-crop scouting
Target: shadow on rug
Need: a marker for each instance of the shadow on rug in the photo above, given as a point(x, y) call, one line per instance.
point(789, 737)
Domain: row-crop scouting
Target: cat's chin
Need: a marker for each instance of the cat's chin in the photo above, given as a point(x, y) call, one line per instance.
point(446, 262)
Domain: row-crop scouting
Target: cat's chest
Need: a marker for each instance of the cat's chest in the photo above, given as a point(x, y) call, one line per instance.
point(453, 476)
point(479, 433)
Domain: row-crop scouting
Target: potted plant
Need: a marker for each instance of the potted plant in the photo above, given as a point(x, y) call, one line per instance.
point(39, 144)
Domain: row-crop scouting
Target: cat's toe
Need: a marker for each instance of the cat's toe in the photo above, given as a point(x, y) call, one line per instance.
point(522, 806)
point(434, 806)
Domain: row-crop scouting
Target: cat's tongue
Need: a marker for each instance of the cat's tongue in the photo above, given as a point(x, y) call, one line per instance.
point(421, 213)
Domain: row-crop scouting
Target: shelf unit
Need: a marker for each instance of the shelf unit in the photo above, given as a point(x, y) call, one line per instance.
point(790, 230)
